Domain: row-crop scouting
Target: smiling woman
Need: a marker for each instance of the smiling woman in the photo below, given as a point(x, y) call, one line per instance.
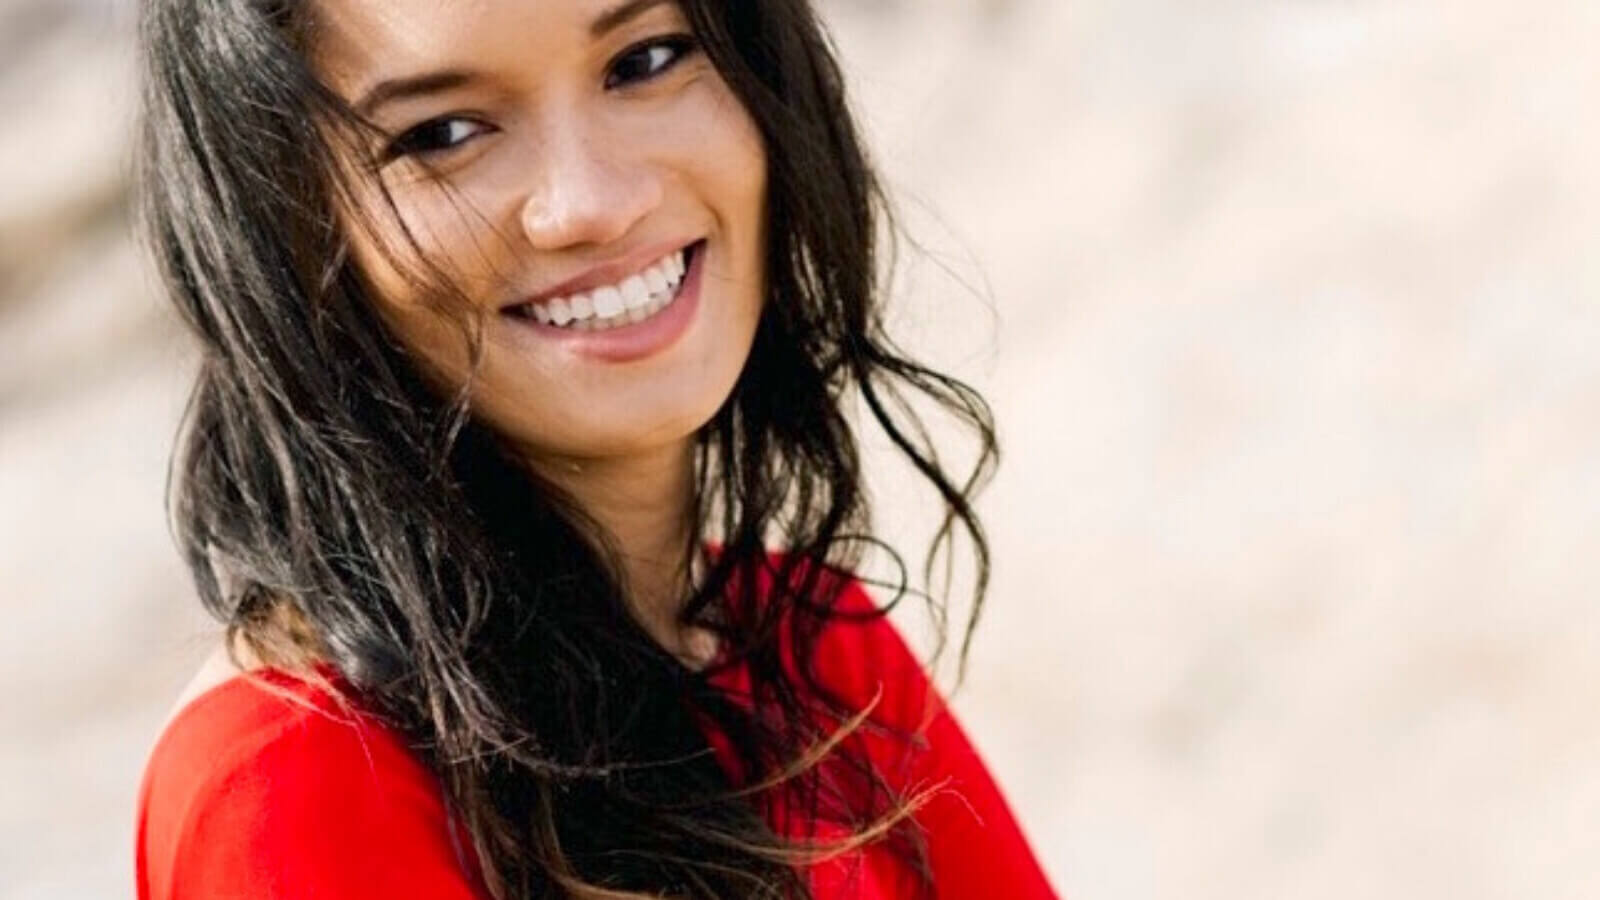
point(559, 188)
point(522, 345)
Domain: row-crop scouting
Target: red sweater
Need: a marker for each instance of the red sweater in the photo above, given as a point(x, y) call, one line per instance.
point(253, 794)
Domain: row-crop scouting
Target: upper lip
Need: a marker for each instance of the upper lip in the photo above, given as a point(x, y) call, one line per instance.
point(611, 272)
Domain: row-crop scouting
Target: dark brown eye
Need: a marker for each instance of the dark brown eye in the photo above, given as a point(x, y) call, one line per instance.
point(435, 136)
point(644, 61)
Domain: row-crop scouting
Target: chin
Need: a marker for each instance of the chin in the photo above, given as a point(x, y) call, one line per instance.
point(666, 413)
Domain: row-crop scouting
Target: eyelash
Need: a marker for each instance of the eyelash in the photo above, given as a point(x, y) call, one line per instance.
point(414, 141)
point(681, 45)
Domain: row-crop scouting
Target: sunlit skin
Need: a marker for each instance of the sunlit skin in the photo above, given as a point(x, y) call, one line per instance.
point(573, 141)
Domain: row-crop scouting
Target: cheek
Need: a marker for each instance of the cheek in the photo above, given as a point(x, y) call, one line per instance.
point(428, 323)
point(421, 265)
point(742, 162)
point(445, 226)
point(720, 143)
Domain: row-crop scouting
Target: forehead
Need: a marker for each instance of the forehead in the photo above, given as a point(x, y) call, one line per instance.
point(351, 40)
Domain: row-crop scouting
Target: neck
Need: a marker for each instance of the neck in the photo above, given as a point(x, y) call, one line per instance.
point(644, 502)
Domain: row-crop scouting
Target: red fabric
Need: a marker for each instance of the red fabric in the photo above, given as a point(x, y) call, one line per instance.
point(277, 792)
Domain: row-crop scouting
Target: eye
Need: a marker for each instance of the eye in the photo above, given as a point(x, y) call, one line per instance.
point(435, 136)
point(646, 60)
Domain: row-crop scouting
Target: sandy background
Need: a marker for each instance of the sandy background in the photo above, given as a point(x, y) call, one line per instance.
point(1294, 347)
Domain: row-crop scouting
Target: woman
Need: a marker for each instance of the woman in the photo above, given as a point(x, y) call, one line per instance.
point(526, 326)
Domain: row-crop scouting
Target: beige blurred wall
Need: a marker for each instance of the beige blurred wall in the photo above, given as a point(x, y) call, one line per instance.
point(1292, 342)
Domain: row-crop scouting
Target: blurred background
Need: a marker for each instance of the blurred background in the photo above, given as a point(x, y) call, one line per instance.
point(1288, 311)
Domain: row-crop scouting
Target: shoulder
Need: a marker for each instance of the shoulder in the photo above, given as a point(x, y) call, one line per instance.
point(839, 590)
point(270, 779)
point(265, 720)
point(861, 655)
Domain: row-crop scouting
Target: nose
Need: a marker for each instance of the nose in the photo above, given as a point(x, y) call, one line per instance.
point(587, 191)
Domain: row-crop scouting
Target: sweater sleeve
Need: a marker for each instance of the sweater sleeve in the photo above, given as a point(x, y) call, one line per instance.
point(320, 808)
point(975, 845)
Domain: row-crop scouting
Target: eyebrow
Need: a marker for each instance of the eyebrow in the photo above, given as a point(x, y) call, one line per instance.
point(398, 88)
point(620, 15)
point(392, 89)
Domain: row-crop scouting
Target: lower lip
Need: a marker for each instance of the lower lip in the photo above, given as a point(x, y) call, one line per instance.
point(635, 340)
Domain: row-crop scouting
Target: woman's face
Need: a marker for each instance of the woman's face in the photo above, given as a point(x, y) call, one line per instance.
point(591, 185)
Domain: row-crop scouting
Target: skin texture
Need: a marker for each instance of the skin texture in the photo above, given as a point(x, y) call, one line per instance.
point(569, 150)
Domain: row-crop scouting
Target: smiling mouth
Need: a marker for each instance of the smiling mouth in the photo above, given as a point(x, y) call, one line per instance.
point(634, 299)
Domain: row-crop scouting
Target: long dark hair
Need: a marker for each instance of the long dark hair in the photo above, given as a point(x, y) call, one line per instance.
point(337, 508)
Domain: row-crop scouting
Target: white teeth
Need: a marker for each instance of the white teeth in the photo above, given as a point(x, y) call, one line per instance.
point(608, 302)
point(637, 298)
point(634, 292)
point(654, 280)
